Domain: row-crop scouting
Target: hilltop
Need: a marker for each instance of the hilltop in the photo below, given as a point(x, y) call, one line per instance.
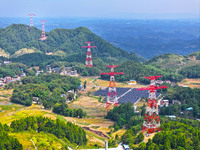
point(187, 65)
point(19, 36)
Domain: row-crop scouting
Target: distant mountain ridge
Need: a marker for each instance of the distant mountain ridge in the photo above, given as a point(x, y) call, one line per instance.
point(20, 36)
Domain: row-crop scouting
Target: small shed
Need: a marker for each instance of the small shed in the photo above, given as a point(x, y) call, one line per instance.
point(189, 109)
point(132, 82)
point(35, 100)
point(126, 147)
point(172, 117)
point(80, 87)
point(165, 102)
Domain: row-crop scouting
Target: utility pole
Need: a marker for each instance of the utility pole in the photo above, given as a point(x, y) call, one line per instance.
point(151, 122)
point(88, 62)
point(112, 92)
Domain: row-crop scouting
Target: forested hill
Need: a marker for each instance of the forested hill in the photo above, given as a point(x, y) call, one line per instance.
point(188, 65)
point(16, 37)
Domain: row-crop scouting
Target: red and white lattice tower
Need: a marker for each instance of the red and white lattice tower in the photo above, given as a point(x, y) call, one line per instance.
point(31, 19)
point(88, 62)
point(43, 36)
point(112, 93)
point(151, 122)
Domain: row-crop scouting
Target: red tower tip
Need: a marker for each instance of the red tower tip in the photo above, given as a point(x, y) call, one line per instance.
point(153, 77)
point(89, 42)
point(112, 92)
point(43, 20)
point(112, 66)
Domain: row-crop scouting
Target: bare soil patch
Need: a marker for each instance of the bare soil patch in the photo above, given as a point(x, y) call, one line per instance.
point(96, 132)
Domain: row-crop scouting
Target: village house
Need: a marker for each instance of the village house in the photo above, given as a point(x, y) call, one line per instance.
point(16, 78)
point(55, 70)
point(1, 83)
point(39, 72)
point(23, 74)
point(7, 62)
point(164, 102)
point(158, 82)
point(132, 82)
point(71, 73)
point(7, 80)
point(176, 101)
point(167, 81)
point(172, 117)
point(48, 69)
point(36, 100)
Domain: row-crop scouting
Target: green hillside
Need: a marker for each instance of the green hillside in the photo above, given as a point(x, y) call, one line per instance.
point(136, 70)
point(19, 36)
point(166, 61)
point(174, 62)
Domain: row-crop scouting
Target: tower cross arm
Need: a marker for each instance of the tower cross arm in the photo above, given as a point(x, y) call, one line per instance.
point(88, 46)
point(31, 14)
point(109, 73)
point(153, 77)
point(152, 87)
point(112, 66)
point(161, 87)
point(119, 73)
point(89, 42)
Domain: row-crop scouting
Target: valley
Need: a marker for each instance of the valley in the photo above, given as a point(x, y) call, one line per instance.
point(95, 120)
point(47, 95)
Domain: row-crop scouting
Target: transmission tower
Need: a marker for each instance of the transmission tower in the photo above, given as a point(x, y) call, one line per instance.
point(31, 19)
point(88, 62)
point(112, 93)
point(151, 122)
point(43, 36)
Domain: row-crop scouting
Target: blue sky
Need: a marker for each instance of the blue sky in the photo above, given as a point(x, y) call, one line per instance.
point(100, 8)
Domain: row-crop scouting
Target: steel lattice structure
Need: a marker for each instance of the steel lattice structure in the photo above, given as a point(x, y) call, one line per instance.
point(43, 36)
point(151, 122)
point(31, 19)
point(88, 62)
point(112, 93)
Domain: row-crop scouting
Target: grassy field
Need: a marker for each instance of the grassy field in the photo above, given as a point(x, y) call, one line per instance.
point(192, 83)
point(104, 83)
point(44, 141)
point(5, 94)
point(90, 105)
point(95, 110)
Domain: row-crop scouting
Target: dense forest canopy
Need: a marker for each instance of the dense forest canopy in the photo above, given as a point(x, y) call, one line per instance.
point(38, 124)
point(180, 134)
point(65, 45)
point(13, 69)
point(8, 142)
point(188, 97)
point(18, 36)
point(136, 70)
point(73, 133)
point(48, 88)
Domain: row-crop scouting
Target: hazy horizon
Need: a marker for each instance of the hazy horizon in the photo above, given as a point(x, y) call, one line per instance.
point(112, 9)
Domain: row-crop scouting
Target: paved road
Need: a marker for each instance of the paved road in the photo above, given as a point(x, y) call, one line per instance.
point(120, 147)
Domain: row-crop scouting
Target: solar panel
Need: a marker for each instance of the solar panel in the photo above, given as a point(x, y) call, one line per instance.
point(132, 95)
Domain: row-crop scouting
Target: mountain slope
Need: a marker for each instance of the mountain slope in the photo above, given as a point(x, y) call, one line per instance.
point(187, 65)
point(18, 36)
point(165, 61)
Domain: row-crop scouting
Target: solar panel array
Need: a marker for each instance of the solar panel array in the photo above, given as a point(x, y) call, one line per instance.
point(104, 92)
point(131, 96)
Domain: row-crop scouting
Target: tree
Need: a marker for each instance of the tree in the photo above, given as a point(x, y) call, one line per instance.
point(70, 96)
point(195, 111)
point(85, 83)
point(142, 146)
point(167, 145)
point(139, 138)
